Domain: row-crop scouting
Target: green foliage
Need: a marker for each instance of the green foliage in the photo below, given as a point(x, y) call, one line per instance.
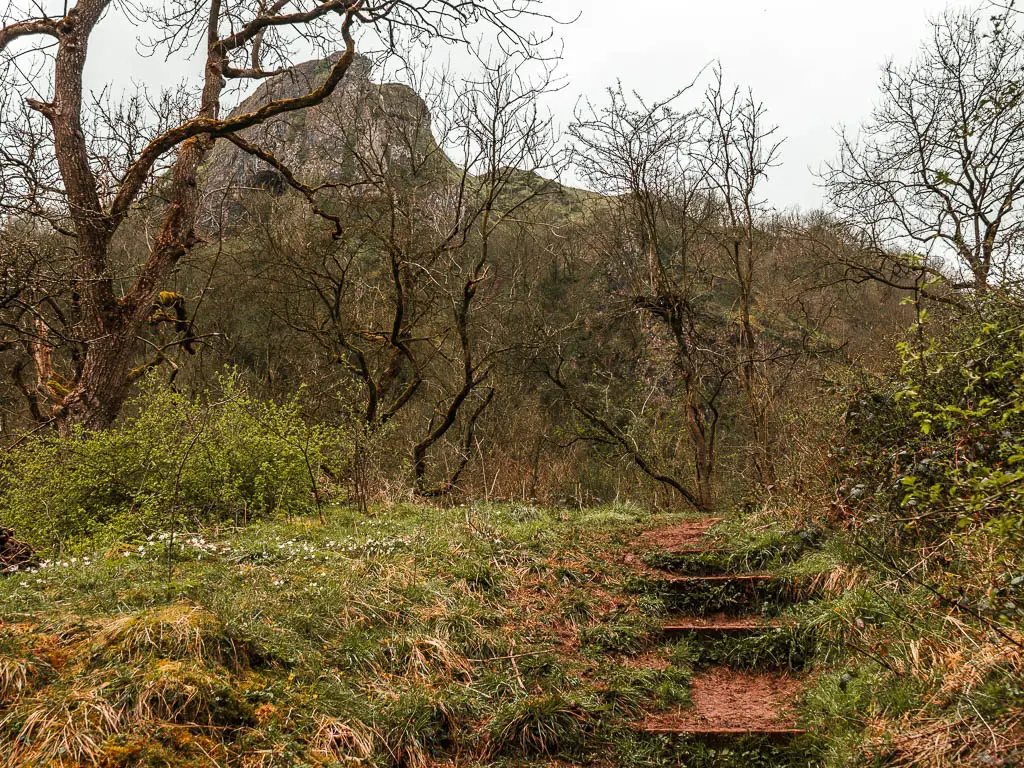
point(790, 648)
point(930, 495)
point(940, 447)
point(179, 461)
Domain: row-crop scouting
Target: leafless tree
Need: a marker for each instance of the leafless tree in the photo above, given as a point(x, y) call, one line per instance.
point(934, 181)
point(741, 148)
point(89, 165)
point(643, 157)
point(406, 288)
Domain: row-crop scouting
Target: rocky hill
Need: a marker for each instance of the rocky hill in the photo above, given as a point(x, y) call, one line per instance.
point(360, 132)
point(364, 132)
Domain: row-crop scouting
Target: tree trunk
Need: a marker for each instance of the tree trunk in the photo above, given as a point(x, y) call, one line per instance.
point(703, 450)
point(95, 401)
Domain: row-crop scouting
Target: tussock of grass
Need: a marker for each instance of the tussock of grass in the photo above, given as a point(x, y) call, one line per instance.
point(71, 726)
point(340, 741)
point(15, 677)
point(628, 634)
point(183, 693)
point(636, 688)
point(543, 724)
point(177, 631)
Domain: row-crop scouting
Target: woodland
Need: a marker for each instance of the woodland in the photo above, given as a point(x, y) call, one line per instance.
point(355, 412)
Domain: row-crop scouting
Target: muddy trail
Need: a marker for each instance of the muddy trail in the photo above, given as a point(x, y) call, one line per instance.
point(719, 610)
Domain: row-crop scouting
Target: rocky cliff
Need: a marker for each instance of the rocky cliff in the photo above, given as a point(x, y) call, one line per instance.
point(363, 133)
point(360, 132)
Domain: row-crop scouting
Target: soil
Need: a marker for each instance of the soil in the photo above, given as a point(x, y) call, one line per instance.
point(727, 700)
point(682, 537)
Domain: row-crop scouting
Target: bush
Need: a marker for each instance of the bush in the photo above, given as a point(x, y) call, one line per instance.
point(940, 447)
point(179, 461)
point(934, 463)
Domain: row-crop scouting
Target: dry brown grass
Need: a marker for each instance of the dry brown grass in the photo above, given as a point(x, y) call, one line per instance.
point(957, 666)
point(837, 580)
point(15, 677)
point(917, 741)
point(346, 742)
point(427, 658)
point(68, 729)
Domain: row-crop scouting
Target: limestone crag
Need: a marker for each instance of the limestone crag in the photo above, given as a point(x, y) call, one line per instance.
point(361, 131)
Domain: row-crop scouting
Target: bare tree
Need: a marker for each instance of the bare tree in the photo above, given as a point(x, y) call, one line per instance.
point(935, 181)
point(642, 156)
point(88, 166)
point(740, 150)
point(405, 290)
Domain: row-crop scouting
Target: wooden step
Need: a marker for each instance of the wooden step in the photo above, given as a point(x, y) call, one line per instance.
point(723, 578)
point(695, 551)
point(712, 732)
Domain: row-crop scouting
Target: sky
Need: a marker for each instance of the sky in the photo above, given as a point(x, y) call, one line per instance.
point(815, 64)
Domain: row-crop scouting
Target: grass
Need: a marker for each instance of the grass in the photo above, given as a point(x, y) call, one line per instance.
point(662, 751)
point(710, 597)
point(492, 633)
point(899, 674)
point(486, 635)
point(778, 648)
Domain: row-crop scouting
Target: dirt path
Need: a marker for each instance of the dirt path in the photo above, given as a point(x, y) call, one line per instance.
point(688, 536)
point(727, 700)
point(724, 701)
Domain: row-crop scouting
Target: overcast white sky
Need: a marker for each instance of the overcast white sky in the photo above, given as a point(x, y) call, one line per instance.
point(814, 63)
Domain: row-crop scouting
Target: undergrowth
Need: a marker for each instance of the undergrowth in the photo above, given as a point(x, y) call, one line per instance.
point(918, 605)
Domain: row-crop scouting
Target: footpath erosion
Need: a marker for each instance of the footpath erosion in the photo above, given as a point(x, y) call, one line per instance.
point(746, 684)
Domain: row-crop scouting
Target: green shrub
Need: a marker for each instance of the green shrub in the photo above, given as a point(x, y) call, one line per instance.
point(224, 457)
point(940, 446)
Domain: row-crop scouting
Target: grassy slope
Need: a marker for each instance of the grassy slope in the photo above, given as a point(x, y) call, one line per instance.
point(479, 635)
point(898, 677)
point(473, 634)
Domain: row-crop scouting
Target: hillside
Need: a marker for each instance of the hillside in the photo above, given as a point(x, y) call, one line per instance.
point(362, 132)
point(353, 437)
